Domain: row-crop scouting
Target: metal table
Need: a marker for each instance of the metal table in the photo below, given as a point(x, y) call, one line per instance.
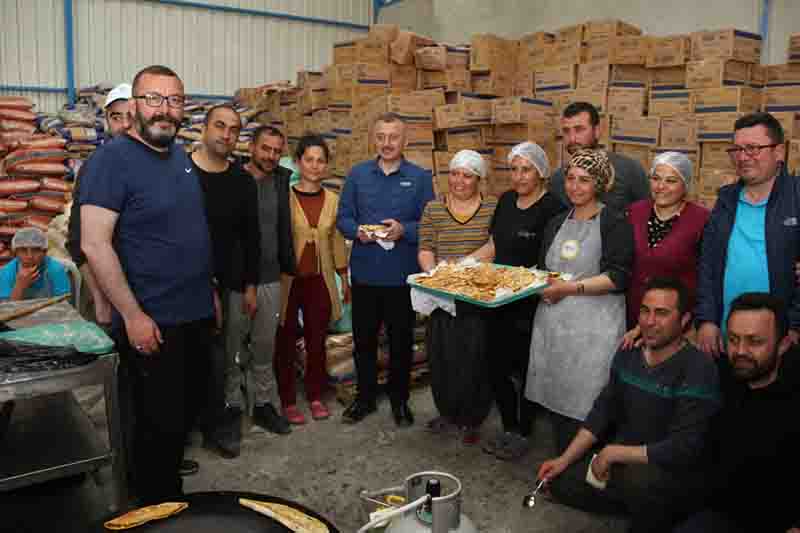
point(50, 435)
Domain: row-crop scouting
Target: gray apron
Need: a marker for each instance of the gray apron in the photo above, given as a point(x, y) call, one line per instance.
point(575, 339)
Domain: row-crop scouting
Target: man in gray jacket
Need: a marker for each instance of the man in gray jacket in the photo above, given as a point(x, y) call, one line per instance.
point(580, 126)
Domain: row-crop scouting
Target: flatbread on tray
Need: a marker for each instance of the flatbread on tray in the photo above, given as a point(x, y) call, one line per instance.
point(137, 517)
point(479, 282)
point(294, 519)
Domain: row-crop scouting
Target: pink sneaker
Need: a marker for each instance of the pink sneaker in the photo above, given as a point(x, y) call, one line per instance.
point(293, 415)
point(319, 411)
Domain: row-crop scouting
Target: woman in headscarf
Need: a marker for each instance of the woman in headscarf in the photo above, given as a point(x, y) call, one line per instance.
point(516, 236)
point(581, 317)
point(452, 228)
point(667, 229)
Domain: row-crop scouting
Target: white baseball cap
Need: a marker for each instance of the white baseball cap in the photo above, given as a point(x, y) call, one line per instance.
point(123, 91)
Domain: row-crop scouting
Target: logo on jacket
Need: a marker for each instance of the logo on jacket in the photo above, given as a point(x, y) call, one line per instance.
point(406, 184)
point(791, 221)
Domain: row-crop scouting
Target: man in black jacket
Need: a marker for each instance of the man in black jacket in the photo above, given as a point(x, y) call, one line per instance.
point(752, 238)
point(754, 437)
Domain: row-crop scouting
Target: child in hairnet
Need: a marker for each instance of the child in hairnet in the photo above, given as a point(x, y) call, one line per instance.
point(31, 274)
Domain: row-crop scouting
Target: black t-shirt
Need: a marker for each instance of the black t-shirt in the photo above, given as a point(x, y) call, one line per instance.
point(232, 214)
point(517, 233)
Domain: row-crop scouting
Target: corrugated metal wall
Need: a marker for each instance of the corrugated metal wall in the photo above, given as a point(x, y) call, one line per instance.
point(214, 52)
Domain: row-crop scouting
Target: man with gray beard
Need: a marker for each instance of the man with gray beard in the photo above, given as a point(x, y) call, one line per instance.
point(146, 239)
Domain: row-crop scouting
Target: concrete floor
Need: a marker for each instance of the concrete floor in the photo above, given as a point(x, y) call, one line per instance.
point(325, 464)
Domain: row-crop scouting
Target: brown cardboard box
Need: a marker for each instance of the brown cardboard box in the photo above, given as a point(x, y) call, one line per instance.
point(623, 101)
point(403, 48)
point(671, 51)
point(321, 121)
point(477, 108)
point(555, 79)
point(571, 34)
point(781, 99)
point(341, 121)
point(716, 127)
point(679, 131)
point(384, 32)
point(712, 73)
point(711, 179)
point(603, 29)
point(593, 74)
point(518, 109)
point(449, 116)
point(793, 156)
point(642, 131)
point(312, 100)
point(356, 97)
point(492, 53)
point(361, 51)
point(539, 56)
point(532, 48)
point(758, 76)
point(421, 158)
point(465, 138)
point(524, 84)
point(691, 153)
point(311, 79)
point(602, 72)
point(597, 95)
point(779, 75)
point(729, 43)
point(790, 121)
point(668, 103)
point(564, 53)
point(419, 134)
point(715, 156)
point(441, 57)
point(669, 78)
point(727, 99)
point(793, 53)
point(634, 151)
point(497, 83)
point(538, 131)
point(351, 74)
point(403, 78)
point(342, 164)
point(417, 106)
point(560, 98)
point(619, 50)
point(455, 79)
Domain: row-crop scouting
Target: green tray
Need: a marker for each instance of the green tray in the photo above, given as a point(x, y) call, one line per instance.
point(497, 302)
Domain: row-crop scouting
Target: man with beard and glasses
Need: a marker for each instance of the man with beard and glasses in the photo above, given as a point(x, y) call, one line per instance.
point(752, 236)
point(580, 126)
point(754, 437)
point(118, 121)
point(276, 251)
point(146, 239)
point(641, 448)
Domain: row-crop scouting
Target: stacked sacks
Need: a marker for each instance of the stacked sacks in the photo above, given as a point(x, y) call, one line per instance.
point(17, 121)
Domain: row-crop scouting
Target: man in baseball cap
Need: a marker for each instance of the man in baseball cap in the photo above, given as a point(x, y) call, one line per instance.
point(116, 108)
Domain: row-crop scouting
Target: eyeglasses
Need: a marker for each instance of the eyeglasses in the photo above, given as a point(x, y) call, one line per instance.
point(175, 101)
point(751, 150)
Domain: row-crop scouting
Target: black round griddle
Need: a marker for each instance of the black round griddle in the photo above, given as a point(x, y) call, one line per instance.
point(220, 512)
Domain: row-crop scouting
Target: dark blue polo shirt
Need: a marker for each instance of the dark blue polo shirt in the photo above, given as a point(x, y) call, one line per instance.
point(161, 235)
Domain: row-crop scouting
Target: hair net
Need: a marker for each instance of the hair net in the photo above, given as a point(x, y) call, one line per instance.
point(29, 238)
point(533, 153)
point(597, 165)
point(676, 161)
point(469, 160)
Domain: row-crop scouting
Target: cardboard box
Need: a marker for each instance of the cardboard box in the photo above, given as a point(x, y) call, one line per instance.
point(642, 131)
point(449, 80)
point(524, 84)
point(758, 76)
point(356, 97)
point(352, 74)
point(531, 53)
point(570, 34)
point(602, 72)
point(671, 51)
point(421, 158)
point(384, 32)
point(449, 116)
point(668, 79)
point(781, 99)
point(714, 156)
point(624, 101)
point(477, 108)
point(555, 79)
point(790, 121)
point(492, 53)
point(341, 121)
point(603, 29)
point(619, 50)
point(679, 131)
point(361, 51)
point(321, 121)
point(404, 47)
point(540, 132)
point(465, 138)
point(728, 44)
point(417, 106)
point(419, 134)
point(793, 53)
point(597, 95)
point(712, 73)
point(668, 103)
point(711, 179)
point(497, 83)
point(539, 56)
point(781, 75)
point(519, 109)
point(691, 153)
point(564, 53)
point(727, 99)
point(403, 78)
point(560, 98)
point(311, 79)
point(313, 100)
point(441, 57)
point(634, 151)
point(716, 127)
point(793, 156)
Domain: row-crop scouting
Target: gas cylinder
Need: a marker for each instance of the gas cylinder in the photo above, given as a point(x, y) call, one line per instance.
point(433, 505)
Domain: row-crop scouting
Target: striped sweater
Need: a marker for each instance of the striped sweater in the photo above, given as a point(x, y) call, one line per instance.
point(446, 237)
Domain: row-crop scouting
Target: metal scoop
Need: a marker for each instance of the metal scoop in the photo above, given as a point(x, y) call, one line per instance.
point(530, 500)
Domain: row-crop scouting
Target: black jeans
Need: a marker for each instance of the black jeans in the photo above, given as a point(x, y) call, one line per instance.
point(166, 392)
point(373, 305)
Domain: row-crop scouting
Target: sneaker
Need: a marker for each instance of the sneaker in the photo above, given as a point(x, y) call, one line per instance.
point(293, 415)
point(319, 411)
point(499, 441)
point(514, 449)
point(267, 417)
point(358, 411)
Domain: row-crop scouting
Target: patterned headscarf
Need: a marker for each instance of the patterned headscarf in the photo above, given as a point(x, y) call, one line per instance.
point(597, 165)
